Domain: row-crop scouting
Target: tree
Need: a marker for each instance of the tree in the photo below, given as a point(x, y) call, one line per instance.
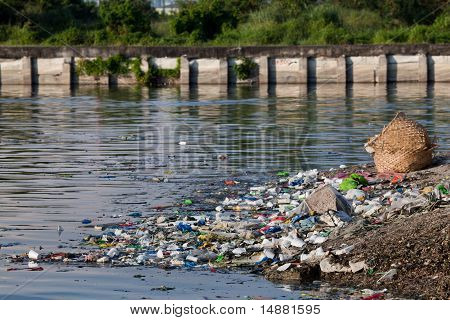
point(122, 16)
point(204, 19)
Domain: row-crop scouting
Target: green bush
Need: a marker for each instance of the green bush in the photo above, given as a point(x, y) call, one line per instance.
point(96, 67)
point(97, 37)
point(71, 36)
point(245, 69)
point(397, 35)
point(21, 35)
point(154, 74)
point(114, 65)
point(329, 34)
point(418, 34)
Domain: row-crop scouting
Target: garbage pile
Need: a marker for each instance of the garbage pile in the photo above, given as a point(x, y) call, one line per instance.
point(278, 226)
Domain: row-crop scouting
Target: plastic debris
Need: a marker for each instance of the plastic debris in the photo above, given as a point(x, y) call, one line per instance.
point(355, 194)
point(33, 255)
point(239, 251)
point(184, 227)
point(278, 226)
point(284, 267)
point(388, 276)
point(135, 214)
point(357, 266)
point(345, 250)
point(113, 253)
point(442, 189)
point(103, 260)
point(60, 230)
point(375, 296)
point(353, 182)
point(327, 267)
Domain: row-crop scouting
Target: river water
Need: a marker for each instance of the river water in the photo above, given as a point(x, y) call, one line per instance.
point(92, 152)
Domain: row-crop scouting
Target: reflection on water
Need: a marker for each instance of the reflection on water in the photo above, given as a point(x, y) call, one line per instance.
point(69, 154)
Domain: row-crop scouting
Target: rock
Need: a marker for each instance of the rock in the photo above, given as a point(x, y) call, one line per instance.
point(327, 198)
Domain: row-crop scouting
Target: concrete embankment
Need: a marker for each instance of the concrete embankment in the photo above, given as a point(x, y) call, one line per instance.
point(215, 65)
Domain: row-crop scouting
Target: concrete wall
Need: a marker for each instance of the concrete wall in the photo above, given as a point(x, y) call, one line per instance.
point(15, 72)
point(439, 68)
point(52, 71)
point(366, 69)
point(208, 71)
point(327, 70)
point(280, 65)
point(407, 68)
point(15, 52)
point(287, 70)
point(162, 63)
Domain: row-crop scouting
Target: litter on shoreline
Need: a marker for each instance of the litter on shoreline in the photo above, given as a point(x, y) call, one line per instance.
point(278, 226)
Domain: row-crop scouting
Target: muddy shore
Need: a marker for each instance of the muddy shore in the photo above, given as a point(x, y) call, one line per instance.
point(415, 245)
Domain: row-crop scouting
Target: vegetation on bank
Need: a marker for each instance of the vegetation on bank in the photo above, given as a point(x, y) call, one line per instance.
point(119, 65)
point(224, 22)
point(245, 68)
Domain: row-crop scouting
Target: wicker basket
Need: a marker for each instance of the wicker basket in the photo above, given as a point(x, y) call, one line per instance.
point(402, 146)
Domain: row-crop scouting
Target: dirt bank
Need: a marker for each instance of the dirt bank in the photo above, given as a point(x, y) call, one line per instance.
point(416, 247)
point(413, 246)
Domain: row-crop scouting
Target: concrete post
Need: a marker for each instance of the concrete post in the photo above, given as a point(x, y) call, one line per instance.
point(439, 67)
point(423, 68)
point(381, 69)
point(27, 76)
point(341, 70)
point(223, 71)
point(264, 69)
point(184, 70)
point(66, 77)
point(303, 70)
